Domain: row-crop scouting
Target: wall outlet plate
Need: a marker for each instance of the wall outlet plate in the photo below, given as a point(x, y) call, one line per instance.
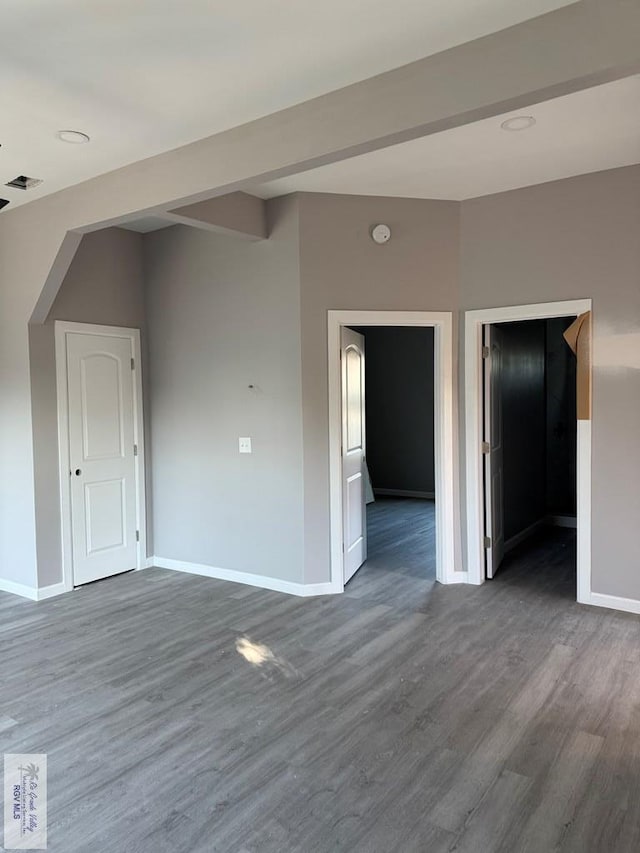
point(244, 444)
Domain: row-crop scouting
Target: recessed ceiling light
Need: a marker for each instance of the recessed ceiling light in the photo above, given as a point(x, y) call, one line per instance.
point(518, 123)
point(75, 137)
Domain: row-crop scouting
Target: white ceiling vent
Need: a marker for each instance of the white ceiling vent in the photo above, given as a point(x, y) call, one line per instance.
point(22, 182)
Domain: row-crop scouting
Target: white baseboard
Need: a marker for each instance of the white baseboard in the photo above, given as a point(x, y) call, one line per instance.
point(33, 593)
point(562, 521)
point(613, 602)
point(524, 534)
point(147, 563)
point(260, 581)
point(50, 591)
point(300, 589)
point(455, 577)
point(404, 493)
point(20, 589)
point(309, 590)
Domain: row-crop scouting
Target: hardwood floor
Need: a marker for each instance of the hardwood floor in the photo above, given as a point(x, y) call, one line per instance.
point(400, 716)
point(401, 536)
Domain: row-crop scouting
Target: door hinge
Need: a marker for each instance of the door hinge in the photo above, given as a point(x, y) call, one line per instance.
point(486, 352)
point(135, 449)
point(133, 364)
point(487, 542)
point(137, 535)
point(486, 447)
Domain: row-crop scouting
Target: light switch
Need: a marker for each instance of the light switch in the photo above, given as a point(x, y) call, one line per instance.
point(244, 445)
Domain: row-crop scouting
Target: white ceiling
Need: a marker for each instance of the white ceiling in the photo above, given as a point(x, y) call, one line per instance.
point(595, 129)
point(143, 76)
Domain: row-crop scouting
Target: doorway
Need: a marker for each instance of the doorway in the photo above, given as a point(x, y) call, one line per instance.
point(529, 442)
point(101, 451)
point(547, 451)
point(347, 425)
point(400, 461)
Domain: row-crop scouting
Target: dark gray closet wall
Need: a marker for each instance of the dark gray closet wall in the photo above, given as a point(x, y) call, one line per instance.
point(561, 420)
point(399, 404)
point(523, 424)
point(539, 423)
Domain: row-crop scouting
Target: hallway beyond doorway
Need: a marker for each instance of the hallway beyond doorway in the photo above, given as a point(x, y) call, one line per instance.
point(545, 563)
point(402, 537)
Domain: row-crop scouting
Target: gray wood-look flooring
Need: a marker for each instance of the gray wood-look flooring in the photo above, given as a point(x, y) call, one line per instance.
point(401, 534)
point(400, 716)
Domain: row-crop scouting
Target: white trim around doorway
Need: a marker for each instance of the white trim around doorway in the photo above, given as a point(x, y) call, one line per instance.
point(442, 324)
point(62, 329)
point(473, 395)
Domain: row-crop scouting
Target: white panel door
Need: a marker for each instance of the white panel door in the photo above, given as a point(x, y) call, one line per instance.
point(354, 510)
point(101, 455)
point(493, 450)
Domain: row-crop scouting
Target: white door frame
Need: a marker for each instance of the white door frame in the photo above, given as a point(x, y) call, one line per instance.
point(442, 323)
point(473, 396)
point(62, 329)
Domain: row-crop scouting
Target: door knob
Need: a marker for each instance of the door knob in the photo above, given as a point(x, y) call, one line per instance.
point(78, 472)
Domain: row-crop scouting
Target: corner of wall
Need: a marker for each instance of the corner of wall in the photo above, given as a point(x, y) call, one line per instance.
point(103, 283)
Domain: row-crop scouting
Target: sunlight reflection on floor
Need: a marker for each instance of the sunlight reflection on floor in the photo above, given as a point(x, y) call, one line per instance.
point(260, 655)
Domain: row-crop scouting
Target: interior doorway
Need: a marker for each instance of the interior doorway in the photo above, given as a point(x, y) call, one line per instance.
point(529, 442)
point(101, 451)
point(349, 474)
point(529, 467)
point(400, 460)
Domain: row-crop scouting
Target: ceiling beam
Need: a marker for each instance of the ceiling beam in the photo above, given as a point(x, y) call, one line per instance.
point(578, 46)
point(236, 214)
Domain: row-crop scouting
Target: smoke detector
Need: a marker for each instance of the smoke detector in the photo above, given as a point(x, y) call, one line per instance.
point(381, 233)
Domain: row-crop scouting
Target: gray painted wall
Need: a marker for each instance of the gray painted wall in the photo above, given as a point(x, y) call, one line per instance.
point(484, 78)
point(568, 240)
point(103, 285)
point(399, 403)
point(342, 268)
point(224, 314)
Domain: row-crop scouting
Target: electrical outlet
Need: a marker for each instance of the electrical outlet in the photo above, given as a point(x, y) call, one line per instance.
point(244, 445)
